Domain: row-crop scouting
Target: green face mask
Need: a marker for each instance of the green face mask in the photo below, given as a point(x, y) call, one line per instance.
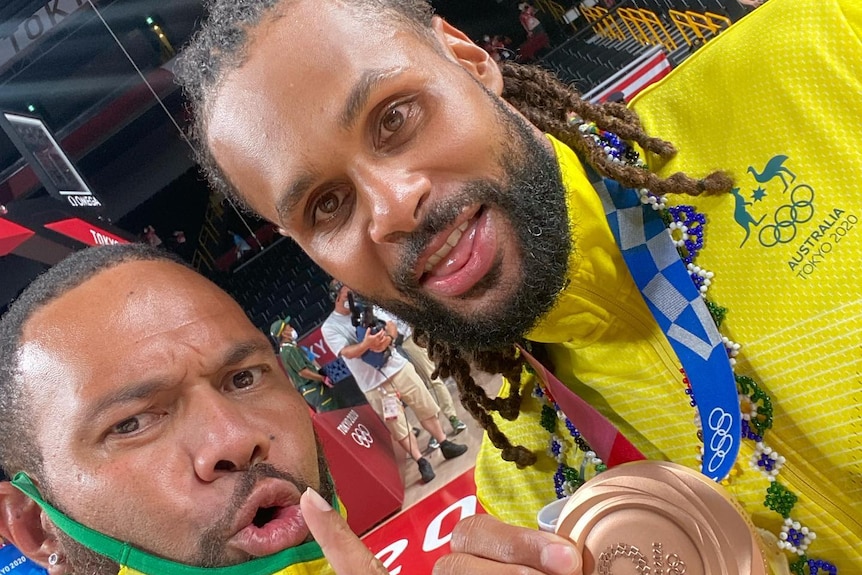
point(134, 561)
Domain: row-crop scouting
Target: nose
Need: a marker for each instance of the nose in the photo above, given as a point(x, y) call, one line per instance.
point(395, 196)
point(225, 439)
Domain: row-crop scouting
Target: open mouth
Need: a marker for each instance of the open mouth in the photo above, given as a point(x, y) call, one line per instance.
point(461, 258)
point(270, 521)
point(444, 251)
point(264, 515)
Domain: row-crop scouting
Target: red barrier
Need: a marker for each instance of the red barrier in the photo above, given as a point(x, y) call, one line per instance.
point(410, 543)
point(359, 450)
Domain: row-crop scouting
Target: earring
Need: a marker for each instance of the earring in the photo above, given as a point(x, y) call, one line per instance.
point(53, 559)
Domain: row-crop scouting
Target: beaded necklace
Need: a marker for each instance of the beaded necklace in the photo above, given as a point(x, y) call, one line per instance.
point(686, 227)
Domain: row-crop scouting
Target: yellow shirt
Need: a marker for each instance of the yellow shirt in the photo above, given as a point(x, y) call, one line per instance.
point(793, 299)
point(316, 567)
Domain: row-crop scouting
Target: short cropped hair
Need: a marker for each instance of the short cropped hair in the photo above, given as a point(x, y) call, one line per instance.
point(18, 450)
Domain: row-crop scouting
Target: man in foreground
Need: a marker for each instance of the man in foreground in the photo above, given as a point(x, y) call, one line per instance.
point(153, 412)
point(411, 166)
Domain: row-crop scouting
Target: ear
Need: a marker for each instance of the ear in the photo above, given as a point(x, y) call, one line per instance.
point(22, 523)
point(471, 57)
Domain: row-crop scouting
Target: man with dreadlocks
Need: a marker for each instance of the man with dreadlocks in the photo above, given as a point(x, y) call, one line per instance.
point(456, 193)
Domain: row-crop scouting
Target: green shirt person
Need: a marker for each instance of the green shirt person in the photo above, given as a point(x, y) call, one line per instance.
point(313, 386)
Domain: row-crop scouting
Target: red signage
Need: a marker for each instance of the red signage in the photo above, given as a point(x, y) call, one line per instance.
point(412, 541)
point(12, 235)
point(85, 232)
point(314, 342)
point(358, 448)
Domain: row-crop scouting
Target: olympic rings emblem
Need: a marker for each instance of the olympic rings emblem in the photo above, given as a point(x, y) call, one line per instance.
point(721, 442)
point(786, 217)
point(362, 436)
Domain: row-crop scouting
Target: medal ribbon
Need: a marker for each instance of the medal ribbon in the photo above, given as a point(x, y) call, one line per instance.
point(682, 315)
point(604, 438)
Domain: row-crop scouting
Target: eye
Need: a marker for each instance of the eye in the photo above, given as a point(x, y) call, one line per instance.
point(134, 424)
point(127, 426)
point(328, 204)
point(246, 378)
point(394, 121)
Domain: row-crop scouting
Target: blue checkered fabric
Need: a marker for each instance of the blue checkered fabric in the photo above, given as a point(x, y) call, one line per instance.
point(681, 312)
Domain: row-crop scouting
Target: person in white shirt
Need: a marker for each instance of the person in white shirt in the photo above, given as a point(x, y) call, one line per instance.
point(418, 356)
point(387, 386)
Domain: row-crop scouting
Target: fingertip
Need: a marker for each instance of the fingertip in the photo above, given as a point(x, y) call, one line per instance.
point(313, 498)
point(561, 559)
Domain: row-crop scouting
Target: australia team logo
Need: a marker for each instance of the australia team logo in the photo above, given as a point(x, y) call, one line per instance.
point(790, 203)
point(774, 208)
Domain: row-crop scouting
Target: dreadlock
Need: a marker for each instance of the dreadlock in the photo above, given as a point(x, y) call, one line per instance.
point(536, 93)
point(546, 102)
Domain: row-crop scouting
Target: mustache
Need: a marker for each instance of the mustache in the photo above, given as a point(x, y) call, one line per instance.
point(436, 219)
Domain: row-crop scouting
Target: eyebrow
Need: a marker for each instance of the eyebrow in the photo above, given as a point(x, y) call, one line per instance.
point(358, 97)
point(235, 354)
point(292, 196)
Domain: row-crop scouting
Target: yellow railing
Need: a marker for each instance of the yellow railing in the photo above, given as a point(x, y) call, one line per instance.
point(605, 27)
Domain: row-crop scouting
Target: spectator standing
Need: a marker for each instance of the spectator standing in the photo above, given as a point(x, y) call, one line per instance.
point(424, 367)
point(529, 21)
point(314, 387)
point(387, 386)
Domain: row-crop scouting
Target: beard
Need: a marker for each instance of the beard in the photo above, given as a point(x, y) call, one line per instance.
point(211, 544)
point(533, 201)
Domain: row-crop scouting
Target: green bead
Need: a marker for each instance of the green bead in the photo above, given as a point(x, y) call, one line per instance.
point(601, 467)
point(571, 474)
point(749, 387)
point(666, 217)
point(717, 312)
point(780, 499)
point(800, 566)
point(549, 419)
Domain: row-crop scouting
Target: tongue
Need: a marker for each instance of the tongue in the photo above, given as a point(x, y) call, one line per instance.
point(459, 256)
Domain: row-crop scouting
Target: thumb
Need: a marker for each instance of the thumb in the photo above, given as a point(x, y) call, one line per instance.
point(342, 548)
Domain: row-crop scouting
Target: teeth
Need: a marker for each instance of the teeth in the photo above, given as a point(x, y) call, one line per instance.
point(451, 241)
